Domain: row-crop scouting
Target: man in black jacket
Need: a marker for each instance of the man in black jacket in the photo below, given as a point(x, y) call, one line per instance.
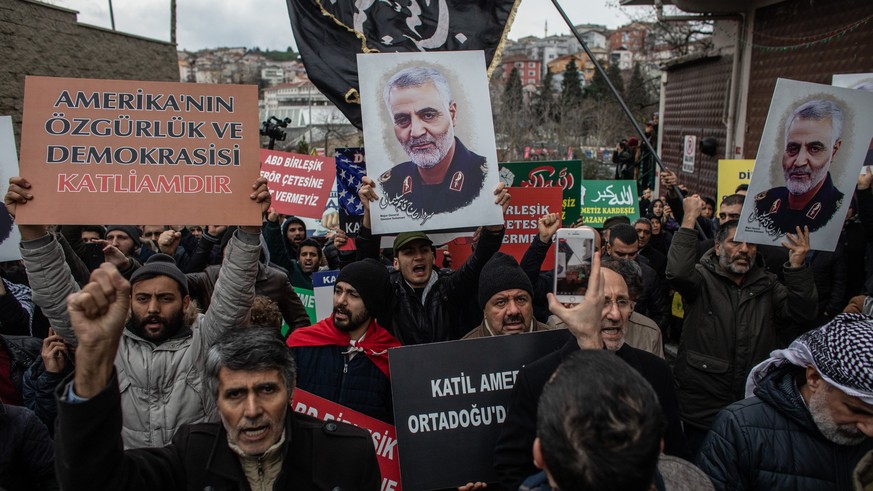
point(260, 443)
point(430, 305)
point(598, 322)
point(810, 419)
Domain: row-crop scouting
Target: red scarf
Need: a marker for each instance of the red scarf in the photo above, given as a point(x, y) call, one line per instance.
point(375, 343)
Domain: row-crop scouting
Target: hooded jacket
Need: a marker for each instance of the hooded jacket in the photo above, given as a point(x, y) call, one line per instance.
point(770, 442)
point(161, 385)
point(728, 329)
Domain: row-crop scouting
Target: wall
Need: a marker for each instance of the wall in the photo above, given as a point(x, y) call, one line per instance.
point(41, 39)
point(695, 104)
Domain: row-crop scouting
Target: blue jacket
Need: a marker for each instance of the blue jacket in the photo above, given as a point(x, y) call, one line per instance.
point(356, 383)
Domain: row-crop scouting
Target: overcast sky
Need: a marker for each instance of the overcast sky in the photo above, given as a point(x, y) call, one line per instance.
point(264, 23)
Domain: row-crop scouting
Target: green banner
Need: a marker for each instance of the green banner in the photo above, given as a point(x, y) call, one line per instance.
point(603, 199)
point(307, 298)
point(566, 174)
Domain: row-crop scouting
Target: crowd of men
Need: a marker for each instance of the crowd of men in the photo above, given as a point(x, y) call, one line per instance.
point(151, 357)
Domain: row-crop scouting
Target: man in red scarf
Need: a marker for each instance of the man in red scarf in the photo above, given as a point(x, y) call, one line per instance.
point(344, 358)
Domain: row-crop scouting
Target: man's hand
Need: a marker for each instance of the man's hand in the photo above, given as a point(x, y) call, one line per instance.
point(53, 353)
point(168, 242)
point(18, 194)
point(798, 247)
point(693, 206)
point(216, 230)
point(668, 180)
point(97, 314)
point(272, 216)
point(473, 486)
point(340, 238)
point(112, 254)
point(865, 180)
point(367, 193)
point(584, 319)
point(547, 226)
point(502, 198)
point(261, 195)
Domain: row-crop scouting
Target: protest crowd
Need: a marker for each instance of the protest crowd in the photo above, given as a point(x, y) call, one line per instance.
point(122, 345)
point(172, 356)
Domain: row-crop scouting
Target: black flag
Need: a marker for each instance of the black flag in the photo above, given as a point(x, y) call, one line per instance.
point(330, 34)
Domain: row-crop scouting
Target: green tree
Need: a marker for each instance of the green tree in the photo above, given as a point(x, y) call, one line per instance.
point(513, 120)
point(544, 103)
point(614, 74)
point(302, 146)
point(512, 99)
point(571, 86)
point(638, 97)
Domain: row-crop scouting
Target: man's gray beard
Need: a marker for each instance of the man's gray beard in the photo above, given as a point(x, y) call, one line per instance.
point(798, 187)
point(824, 420)
point(729, 266)
point(427, 160)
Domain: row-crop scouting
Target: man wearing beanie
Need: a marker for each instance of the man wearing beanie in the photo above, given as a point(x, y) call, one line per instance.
point(162, 350)
point(506, 299)
point(344, 358)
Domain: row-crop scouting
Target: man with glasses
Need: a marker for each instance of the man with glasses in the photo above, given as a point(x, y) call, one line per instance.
point(608, 304)
point(652, 302)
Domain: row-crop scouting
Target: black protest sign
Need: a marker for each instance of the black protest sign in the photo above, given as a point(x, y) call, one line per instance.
point(450, 400)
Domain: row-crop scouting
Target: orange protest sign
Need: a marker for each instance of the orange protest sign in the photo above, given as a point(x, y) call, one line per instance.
point(299, 184)
point(112, 151)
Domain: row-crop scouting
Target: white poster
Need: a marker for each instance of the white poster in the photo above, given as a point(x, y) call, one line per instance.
point(813, 144)
point(688, 152)
point(858, 81)
point(430, 140)
point(9, 236)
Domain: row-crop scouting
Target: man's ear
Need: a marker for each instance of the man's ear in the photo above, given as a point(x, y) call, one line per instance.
point(453, 110)
point(185, 302)
point(396, 264)
point(538, 454)
point(813, 379)
point(717, 248)
point(836, 147)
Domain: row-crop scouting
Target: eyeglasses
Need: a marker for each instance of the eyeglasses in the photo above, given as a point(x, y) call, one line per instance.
point(622, 304)
point(732, 216)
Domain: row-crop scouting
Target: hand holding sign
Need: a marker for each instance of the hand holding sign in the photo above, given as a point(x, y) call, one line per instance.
point(18, 194)
point(367, 193)
point(865, 179)
point(260, 195)
point(502, 198)
point(583, 319)
point(798, 247)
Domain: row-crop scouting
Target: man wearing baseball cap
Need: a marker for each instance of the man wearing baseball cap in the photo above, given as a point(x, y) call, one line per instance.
point(430, 304)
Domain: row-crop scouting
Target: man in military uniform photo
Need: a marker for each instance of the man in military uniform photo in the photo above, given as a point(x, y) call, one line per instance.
point(809, 198)
point(442, 175)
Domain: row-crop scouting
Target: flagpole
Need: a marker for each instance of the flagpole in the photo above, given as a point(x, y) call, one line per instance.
point(617, 96)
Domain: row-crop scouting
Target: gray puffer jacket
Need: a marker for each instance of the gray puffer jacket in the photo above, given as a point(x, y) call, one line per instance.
point(728, 328)
point(161, 385)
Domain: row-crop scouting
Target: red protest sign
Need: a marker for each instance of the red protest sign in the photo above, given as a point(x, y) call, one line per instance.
point(133, 152)
point(383, 435)
point(528, 205)
point(299, 184)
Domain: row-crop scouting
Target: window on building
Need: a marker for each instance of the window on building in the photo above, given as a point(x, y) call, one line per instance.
point(530, 64)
